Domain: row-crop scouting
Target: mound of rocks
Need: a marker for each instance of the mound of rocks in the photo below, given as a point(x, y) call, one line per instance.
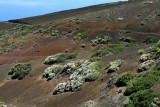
point(101, 39)
point(115, 65)
point(144, 58)
point(2, 104)
point(90, 103)
point(145, 65)
point(155, 103)
point(80, 71)
point(111, 82)
point(51, 72)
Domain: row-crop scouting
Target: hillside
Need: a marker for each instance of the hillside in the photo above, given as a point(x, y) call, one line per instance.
point(98, 56)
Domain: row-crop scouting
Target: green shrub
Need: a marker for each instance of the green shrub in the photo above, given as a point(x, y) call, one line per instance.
point(155, 53)
point(124, 78)
point(141, 51)
point(72, 55)
point(128, 39)
point(142, 82)
point(150, 39)
point(94, 59)
point(93, 76)
point(60, 57)
point(20, 71)
point(131, 44)
point(34, 44)
point(110, 48)
point(157, 12)
point(80, 37)
point(142, 98)
point(65, 56)
point(157, 66)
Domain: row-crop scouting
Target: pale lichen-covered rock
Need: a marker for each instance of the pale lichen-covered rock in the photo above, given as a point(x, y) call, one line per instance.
point(51, 72)
point(80, 71)
point(145, 65)
point(147, 2)
point(110, 84)
point(155, 103)
point(127, 102)
point(60, 88)
point(2, 104)
point(145, 57)
point(115, 65)
point(69, 68)
point(121, 89)
point(90, 104)
point(52, 59)
point(119, 18)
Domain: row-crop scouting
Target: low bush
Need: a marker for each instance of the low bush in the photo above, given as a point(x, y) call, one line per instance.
point(141, 51)
point(142, 82)
point(150, 39)
point(20, 71)
point(80, 37)
point(124, 78)
point(142, 98)
point(129, 40)
point(157, 12)
point(60, 57)
point(157, 66)
point(110, 48)
point(101, 39)
point(94, 59)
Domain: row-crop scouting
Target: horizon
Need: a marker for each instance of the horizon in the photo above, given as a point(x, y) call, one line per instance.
point(17, 9)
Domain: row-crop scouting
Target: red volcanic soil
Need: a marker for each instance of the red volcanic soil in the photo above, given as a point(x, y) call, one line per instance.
point(33, 91)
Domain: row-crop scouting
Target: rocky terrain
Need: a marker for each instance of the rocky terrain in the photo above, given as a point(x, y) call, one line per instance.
point(106, 55)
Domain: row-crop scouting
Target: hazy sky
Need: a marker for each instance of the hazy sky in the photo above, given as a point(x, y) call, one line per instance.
point(15, 9)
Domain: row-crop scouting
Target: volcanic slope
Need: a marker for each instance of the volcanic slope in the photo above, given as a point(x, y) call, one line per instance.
point(110, 39)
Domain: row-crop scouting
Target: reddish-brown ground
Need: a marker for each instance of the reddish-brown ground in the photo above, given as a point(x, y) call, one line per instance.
point(33, 91)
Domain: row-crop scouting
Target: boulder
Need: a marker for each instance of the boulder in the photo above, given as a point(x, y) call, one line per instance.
point(144, 58)
point(90, 104)
point(60, 88)
point(111, 82)
point(2, 104)
point(155, 103)
point(115, 65)
point(51, 72)
point(145, 65)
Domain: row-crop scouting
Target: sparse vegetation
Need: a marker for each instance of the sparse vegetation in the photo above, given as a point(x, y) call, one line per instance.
point(20, 71)
point(157, 12)
point(95, 59)
point(101, 39)
point(60, 57)
point(110, 48)
point(129, 40)
point(80, 37)
point(124, 78)
point(150, 39)
point(34, 44)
